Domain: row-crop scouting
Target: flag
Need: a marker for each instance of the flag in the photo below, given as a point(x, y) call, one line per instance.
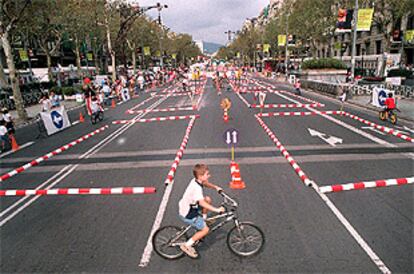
point(409, 36)
point(344, 23)
point(89, 56)
point(23, 55)
point(281, 40)
point(266, 48)
point(147, 51)
point(364, 19)
point(174, 56)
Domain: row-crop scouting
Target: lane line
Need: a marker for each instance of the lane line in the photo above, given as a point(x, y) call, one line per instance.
point(21, 147)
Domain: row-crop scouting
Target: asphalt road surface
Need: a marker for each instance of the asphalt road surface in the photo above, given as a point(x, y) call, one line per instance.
point(361, 230)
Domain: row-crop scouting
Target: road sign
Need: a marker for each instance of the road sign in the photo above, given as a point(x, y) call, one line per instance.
point(331, 140)
point(231, 136)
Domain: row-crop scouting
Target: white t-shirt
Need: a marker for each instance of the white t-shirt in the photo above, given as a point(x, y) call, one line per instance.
point(192, 195)
point(7, 117)
point(3, 130)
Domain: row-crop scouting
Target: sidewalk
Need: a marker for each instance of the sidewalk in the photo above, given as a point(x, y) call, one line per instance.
point(34, 110)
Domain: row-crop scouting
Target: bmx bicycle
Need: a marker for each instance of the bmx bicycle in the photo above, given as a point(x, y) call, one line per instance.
point(243, 239)
point(388, 114)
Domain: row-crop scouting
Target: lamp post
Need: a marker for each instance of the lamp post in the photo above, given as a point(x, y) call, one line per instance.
point(355, 22)
point(362, 61)
point(159, 8)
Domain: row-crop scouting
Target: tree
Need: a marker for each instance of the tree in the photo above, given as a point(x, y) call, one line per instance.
point(11, 12)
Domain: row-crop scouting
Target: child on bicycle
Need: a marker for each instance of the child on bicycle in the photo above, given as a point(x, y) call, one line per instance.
point(390, 102)
point(193, 207)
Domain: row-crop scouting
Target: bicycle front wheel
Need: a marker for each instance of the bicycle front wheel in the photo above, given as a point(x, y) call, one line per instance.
point(393, 118)
point(165, 242)
point(382, 115)
point(245, 240)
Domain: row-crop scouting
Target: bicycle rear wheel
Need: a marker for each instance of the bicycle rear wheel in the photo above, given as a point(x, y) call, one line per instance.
point(245, 240)
point(382, 115)
point(163, 240)
point(393, 118)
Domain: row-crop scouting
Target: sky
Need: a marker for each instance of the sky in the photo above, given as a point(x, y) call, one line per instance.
point(206, 20)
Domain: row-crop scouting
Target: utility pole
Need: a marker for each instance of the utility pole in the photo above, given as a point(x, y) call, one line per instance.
point(355, 21)
point(286, 45)
point(159, 8)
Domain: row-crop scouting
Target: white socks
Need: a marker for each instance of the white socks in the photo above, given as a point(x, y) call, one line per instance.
point(190, 242)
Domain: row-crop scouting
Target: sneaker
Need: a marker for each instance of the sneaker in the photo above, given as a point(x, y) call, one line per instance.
point(189, 250)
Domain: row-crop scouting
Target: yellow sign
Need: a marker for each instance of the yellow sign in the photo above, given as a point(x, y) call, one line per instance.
point(281, 40)
point(409, 36)
point(238, 54)
point(89, 56)
point(23, 55)
point(266, 48)
point(158, 53)
point(225, 103)
point(147, 51)
point(174, 56)
point(364, 19)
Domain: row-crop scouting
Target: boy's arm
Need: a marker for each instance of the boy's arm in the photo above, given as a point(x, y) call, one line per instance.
point(212, 186)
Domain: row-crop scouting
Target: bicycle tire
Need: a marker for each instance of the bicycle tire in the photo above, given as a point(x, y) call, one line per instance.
point(100, 115)
point(251, 232)
point(393, 118)
point(161, 242)
point(93, 118)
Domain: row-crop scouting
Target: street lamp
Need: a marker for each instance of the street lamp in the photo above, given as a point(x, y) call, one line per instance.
point(159, 8)
point(362, 61)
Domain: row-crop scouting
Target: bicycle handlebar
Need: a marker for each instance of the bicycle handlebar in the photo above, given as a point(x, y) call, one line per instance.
point(228, 198)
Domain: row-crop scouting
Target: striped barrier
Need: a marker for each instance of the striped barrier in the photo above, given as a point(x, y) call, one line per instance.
point(363, 185)
point(160, 110)
point(156, 119)
point(286, 105)
point(79, 191)
point(180, 152)
point(285, 153)
point(382, 128)
point(50, 155)
point(171, 94)
point(308, 113)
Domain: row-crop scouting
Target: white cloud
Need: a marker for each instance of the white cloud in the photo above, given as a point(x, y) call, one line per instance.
point(206, 19)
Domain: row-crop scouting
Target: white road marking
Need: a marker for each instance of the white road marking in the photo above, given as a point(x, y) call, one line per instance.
point(11, 151)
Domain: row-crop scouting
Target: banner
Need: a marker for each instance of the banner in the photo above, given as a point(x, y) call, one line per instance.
point(281, 40)
point(409, 36)
point(89, 56)
point(266, 48)
point(379, 95)
point(158, 53)
point(291, 40)
point(174, 56)
point(23, 55)
point(364, 19)
point(147, 51)
point(344, 23)
point(238, 55)
point(55, 120)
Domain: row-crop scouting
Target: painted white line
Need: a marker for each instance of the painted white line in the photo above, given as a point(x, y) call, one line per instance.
point(11, 151)
point(146, 255)
point(75, 123)
point(374, 257)
point(375, 130)
point(86, 155)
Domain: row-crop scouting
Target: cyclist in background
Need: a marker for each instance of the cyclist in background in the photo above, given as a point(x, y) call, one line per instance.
point(390, 103)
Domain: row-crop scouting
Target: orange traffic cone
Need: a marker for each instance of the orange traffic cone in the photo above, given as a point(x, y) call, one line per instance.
point(225, 116)
point(113, 103)
point(81, 119)
point(236, 180)
point(14, 144)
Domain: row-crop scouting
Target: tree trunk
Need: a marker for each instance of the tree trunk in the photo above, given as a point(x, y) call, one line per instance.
point(18, 99)
point(78, 59)
point(49, 65)
point(96, 59)
point(3, 79)
point(110, 50)
point(134, 61)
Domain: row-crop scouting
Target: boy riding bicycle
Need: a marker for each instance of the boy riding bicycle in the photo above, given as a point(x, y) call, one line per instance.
point(193, 207)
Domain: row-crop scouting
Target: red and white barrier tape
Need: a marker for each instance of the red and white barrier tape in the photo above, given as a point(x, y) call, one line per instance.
point(271, 114)
point(160, 110)
point(180, 152)
point(363, 185)
point(171, 94)
point(285, 105)
point(285, 153)
point(79, 191)
point(382, 128)
point(50, 155)
point(156, 119)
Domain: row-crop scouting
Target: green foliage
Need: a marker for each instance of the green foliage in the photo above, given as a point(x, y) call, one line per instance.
point(323, 63)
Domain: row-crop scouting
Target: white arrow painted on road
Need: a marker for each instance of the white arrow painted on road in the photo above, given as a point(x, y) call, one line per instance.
point(331, 140)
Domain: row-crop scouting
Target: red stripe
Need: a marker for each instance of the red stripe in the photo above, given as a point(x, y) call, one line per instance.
point(105, 191)
point(337, 188)
point(63, 191)
point(2, 193)
point(5, 176)
point(127, 190)
point(402, 181)
point(381, 183)
point(41, 192)
point(20, 169)
point(20, 192)
point(360, 185)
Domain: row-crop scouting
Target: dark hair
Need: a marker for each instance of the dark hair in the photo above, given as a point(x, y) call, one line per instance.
point(390, 95)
